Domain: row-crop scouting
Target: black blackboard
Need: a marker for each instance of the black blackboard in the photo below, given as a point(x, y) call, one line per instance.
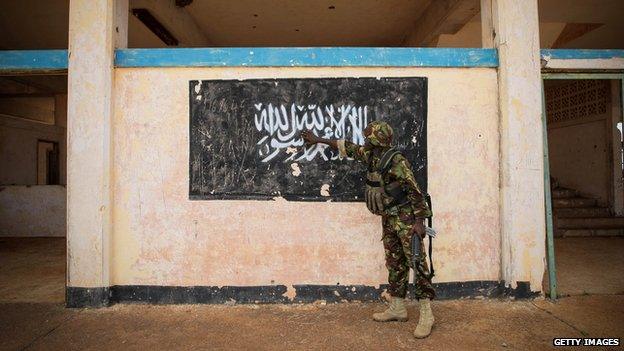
point(245, 135)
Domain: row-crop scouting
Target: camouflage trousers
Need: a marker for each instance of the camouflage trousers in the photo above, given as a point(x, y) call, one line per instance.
point(397, 240)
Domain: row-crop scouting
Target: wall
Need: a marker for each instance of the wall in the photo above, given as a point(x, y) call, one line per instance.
point(25, 208)
point(160, 237)
point(579, 158)
point(470, 35)
point(578, 141)
point(18, 144)
point(37, 210)
point(554, 15)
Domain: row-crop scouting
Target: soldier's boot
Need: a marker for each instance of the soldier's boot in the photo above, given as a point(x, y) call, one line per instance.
point(425, 321)
point(396, 311)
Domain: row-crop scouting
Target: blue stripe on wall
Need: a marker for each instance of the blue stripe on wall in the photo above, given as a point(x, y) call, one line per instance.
point(33, 60)
point(307, 57)
point(581, 54)
point(44, 60)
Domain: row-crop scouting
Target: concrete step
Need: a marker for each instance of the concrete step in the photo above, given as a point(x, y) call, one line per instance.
point(580, 212)
point(574, 202)
point(562, 193)
point(588, 232)
point(591, 223)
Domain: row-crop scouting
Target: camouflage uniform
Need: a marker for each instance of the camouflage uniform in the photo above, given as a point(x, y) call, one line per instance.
point(397, 221)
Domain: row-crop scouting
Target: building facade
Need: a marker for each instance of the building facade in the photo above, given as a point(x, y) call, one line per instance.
point(134, 233)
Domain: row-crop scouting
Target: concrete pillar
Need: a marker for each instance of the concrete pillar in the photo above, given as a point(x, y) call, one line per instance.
point(516, 29)
point(122, 10)
point(487, 29)
point(92, 37)
point(60, 119)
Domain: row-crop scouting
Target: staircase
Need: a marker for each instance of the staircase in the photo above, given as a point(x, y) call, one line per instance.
point(574, 215)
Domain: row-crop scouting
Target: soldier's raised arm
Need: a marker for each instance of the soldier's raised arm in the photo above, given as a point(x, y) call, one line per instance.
point(345, 148)
point(311, 139)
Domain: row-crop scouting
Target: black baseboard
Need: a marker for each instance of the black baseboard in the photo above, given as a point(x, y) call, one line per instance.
point(87, 297)
point(304, 293)
point(337, 293)
point(162, 295)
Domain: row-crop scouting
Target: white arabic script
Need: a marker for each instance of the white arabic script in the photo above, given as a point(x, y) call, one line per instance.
point(282, 126)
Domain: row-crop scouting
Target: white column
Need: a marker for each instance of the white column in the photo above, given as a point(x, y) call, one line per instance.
point(92, 36)
point(487, 28)
point(121, 11)
point(516, 29)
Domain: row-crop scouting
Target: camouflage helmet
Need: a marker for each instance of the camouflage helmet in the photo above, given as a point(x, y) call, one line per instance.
point(381, 134)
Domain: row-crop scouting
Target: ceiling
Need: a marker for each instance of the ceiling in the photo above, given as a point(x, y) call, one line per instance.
point(609, 12)
point(26, 24)
point(34, 84)
point(36, 24)
point(306, 23)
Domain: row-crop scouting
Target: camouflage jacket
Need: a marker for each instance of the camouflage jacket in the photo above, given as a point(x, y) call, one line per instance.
point(399, 171)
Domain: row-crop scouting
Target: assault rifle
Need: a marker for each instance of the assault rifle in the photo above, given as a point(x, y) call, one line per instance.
point(416, 249)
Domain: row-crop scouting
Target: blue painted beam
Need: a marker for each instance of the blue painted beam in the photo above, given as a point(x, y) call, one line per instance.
point(580, 54)
point(33, 60)
point(51, 60)
point(307, 57)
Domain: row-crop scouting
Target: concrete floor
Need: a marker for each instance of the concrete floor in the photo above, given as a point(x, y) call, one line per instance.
point(589, 265)
point(32, 270)
point(32, 317)
point(464, 325)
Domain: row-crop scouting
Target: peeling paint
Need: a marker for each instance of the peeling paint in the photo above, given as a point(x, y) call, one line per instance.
point(325, 190)
point(89, 142)
point(522, 183)
point(280, 199)
point(290, 293)
point(295, 169)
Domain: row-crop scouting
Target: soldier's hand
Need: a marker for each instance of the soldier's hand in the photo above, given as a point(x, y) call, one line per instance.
point(308, 137)
point(419, 227)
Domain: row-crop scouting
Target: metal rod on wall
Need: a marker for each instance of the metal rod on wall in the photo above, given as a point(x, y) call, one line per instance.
point(550, 244)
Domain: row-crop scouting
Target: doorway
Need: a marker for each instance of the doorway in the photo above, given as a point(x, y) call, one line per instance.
point(583, 121)
point(48, 164)
point(33, 115)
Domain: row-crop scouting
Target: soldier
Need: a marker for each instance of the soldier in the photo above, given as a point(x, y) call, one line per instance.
point(392, 192)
